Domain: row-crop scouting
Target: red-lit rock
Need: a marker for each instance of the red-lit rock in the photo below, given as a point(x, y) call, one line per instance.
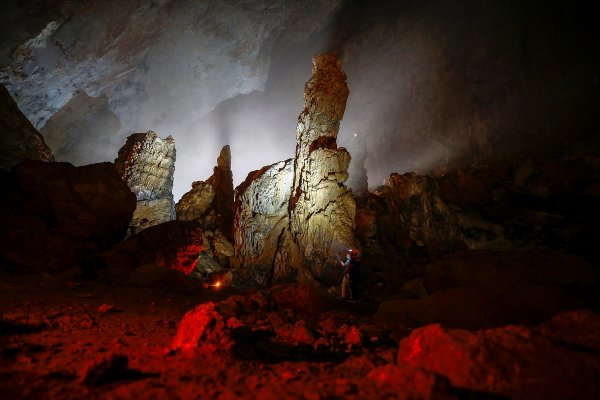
point(205, 328)
point(305, 299)
point(407, 382)
point(174, 244)
point(297, 333)
point(567, 328)
point(512, 361)
point(351, 335)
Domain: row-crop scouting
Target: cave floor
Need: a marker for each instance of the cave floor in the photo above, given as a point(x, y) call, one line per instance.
point(67, 336)
point(55, 328)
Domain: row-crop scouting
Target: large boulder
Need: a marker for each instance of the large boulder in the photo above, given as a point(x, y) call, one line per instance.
point(205, 328)
point(19, 140)
point(477, 289)
point(54, 213)
point(174, 245)
point(147, 164)
point(512, 361)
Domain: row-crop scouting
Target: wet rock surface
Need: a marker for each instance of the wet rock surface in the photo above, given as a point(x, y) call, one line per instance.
point(147, 164)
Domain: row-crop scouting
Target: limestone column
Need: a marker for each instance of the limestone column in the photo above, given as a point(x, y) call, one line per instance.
point(321, 208)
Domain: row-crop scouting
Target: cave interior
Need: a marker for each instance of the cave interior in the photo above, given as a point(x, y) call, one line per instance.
point(286, 199)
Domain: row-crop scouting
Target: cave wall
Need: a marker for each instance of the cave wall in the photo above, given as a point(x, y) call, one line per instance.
point(435, 84)
point(19, 140)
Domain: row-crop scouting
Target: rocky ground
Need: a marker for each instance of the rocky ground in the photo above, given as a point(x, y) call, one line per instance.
point(157, 334)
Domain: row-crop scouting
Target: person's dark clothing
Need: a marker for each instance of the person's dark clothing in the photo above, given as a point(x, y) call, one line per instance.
point(352, 269)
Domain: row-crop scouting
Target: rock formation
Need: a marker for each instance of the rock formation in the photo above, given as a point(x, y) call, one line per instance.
point(261, 217)
point(512, 361)
point(56, 216)
point(416, 210)
point(174, 245)
point(293, 216)
point(147, 163)
point(211, 202)
point(19, 140)
point(481, 289)
point(321, 208)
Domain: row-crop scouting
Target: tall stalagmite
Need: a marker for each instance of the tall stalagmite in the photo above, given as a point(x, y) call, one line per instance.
point(321, 207)
point(147, 164)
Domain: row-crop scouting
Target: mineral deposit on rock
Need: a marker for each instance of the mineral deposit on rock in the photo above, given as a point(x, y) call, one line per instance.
point(147, 163)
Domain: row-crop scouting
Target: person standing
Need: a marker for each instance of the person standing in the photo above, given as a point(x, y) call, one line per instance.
point(351, 278)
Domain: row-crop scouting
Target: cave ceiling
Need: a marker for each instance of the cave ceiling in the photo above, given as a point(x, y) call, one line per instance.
point(432, 84)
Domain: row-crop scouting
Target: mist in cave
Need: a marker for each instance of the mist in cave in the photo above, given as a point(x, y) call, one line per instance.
point(292, 199)
point(433, 86)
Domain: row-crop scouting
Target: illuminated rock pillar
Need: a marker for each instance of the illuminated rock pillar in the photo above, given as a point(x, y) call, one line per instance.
point(147, 164)
point(321, 208)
